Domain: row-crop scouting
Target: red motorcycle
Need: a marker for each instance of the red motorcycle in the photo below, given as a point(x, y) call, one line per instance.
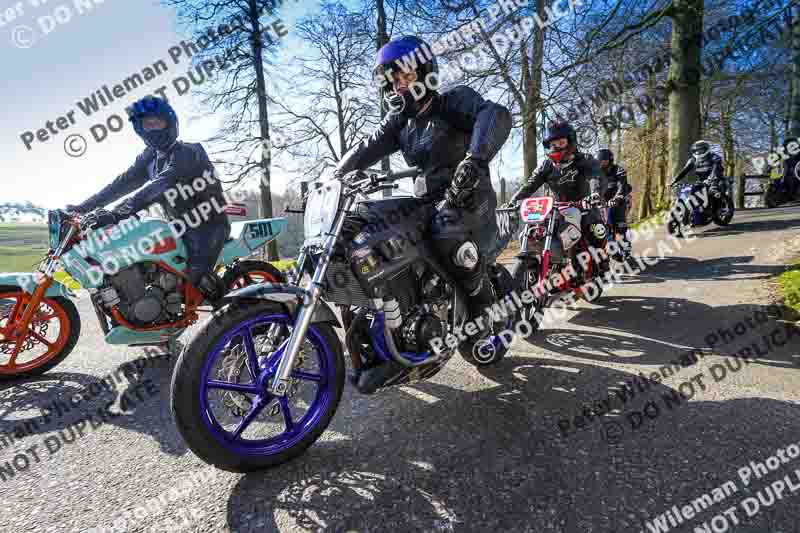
point(555, 257)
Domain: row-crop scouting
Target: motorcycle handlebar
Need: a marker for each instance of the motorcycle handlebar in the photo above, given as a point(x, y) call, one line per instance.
point(412, 172)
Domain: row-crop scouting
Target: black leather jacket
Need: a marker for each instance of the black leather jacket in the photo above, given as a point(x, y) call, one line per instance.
point(570, 183)
point(709, 167)
point(182, 165)
point(616, 181)
point(458, 122)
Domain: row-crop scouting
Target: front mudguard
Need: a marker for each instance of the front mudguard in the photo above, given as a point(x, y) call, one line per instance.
point(27, 282)
point(289, 296)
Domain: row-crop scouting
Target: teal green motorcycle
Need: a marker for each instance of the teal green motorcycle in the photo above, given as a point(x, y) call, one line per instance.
point(135, 273)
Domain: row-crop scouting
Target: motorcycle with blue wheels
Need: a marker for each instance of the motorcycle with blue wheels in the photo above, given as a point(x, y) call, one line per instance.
point(261, 380)
point(699, 204)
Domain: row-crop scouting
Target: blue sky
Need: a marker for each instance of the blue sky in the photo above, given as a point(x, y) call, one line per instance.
point(99, 47)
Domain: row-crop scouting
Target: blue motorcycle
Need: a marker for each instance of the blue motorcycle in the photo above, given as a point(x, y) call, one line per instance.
point(699, 204)
point(261, 380)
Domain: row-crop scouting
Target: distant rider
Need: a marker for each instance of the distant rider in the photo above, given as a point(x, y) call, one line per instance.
point(706, 165)
point(451, 136)
point(616, 193)
point(791, 169)
point(572, 176)
point(161, 167)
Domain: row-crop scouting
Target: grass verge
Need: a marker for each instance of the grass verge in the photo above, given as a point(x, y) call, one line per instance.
point(789, 284)
point(657, 218)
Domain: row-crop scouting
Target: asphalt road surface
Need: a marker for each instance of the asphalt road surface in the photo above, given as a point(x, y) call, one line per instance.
point(519, 447)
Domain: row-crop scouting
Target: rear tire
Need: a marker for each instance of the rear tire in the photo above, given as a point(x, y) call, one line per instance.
point(187, 407)
point(246, 273)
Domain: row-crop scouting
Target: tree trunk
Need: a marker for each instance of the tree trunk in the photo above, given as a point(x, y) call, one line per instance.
point(794, 115)
point(531, 67)
point(381, 38)
point(773, 134)
point(263, 119)
point(684, 80)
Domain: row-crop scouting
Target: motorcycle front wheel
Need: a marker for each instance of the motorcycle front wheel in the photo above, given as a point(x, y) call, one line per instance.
point(525, 273)
point(52, 334)
point(674, 225)
point(726, 205)
point(219, 396)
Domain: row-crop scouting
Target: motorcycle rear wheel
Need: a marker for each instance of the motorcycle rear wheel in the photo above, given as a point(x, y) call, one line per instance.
point(204, 429)
point(246, 273)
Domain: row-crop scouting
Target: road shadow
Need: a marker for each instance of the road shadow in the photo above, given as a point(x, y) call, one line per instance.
point(754, 226)
point(733, 268)
point(495, 459)
point(657, 331)
point(136, 399)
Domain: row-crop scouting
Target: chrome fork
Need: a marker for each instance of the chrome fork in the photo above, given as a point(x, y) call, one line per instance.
point(312, 294)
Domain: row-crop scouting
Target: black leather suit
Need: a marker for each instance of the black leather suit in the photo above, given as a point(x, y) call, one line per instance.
point(616, 185)
point(459, 121)
point(791, 177)
point(162, 172)
point(709, 166)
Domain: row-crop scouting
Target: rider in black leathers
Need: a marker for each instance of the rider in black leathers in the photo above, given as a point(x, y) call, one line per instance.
point(616, 191)
point(452, 137)
point(167, 169)
point(572, 176)
point(706, 164)
point(791, 169)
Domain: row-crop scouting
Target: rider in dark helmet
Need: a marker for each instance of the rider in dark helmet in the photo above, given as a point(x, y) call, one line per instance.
point(706, 164)
point(451, 136)
point(791, 167)
point(571, 175)
point(616, 191)
point(163, 173)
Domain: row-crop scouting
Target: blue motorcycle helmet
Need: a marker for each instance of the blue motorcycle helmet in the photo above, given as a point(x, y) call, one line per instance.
point(405, 54)
point(150, 106)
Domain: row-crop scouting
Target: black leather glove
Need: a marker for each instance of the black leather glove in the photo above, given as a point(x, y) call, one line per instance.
point(615, 201)
point(99, 219)
point(461, 192)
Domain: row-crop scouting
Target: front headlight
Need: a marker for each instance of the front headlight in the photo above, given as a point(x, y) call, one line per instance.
point(321, 208)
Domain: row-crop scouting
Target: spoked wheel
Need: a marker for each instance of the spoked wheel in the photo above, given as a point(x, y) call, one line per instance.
point(51, 335)
point(248, 273)
point(220, 400)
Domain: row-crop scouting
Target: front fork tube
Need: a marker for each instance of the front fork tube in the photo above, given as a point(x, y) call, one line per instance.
point(313, 293)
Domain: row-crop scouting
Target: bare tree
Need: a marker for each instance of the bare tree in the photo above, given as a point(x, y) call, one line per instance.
point(239, 90)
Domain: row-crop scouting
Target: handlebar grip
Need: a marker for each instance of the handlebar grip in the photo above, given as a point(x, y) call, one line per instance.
point(408, 173)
